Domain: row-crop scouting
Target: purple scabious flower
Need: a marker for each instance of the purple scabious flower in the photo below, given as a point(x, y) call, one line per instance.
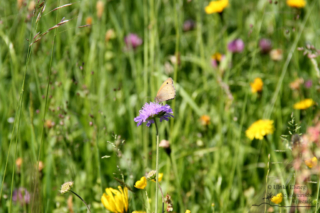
point(132, 41)
point(151, 111)
point(21, 195)
point(265, 45)
point(236, 46)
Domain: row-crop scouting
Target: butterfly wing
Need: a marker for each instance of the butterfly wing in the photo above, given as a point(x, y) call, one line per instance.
point(166, 91)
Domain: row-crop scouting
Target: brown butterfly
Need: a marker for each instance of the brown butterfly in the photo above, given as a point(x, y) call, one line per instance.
point(166, 91)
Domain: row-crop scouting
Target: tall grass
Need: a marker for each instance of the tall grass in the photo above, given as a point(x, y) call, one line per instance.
point(92, 88)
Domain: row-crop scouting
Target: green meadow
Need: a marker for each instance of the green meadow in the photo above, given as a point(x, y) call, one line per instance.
point(75, 74)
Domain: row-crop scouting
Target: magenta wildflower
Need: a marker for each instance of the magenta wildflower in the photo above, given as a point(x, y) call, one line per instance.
point(151, 111)
point(236, 46)
point(21, 196)
point(308, 84)
point(132, 40)
point(265, 45)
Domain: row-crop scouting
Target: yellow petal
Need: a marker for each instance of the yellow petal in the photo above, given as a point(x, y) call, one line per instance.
point(141, 184)
point(108, 203)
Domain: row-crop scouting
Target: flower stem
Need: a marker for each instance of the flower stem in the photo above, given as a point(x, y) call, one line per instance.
point(157, 165)
point(318, 195)
point(80, 199)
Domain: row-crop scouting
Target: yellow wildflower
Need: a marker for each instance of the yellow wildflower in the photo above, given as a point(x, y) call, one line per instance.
point(152, 176)
point(138, 212)
point(216, 6)
point(160, 175)
point(304, 104)
point(205, 120)
point(257, 85)
point(188, 211)
point(115, 200)
point(217, 57)
point(311, 162)
point(296, 3)
point(259, 129)
point(141, 184)
point(277, 199)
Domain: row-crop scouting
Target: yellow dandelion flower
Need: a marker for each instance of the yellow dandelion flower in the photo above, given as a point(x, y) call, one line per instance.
point(138, 212)
point(296, 3)
point(205, 120)
point(304, 104)
point(115, 200)
point(141, 184)
point(311, 162)
point(259, 129)
point(257, 85)
point(277, 199)
point(216, 6)
point(188, 211)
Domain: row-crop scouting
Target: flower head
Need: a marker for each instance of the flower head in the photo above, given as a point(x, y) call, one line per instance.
point(19, 163)
point(295, 85)
point(259, 129)
point(31, 6)
point(296, 3)
point(21, 195)
point(116, 200)
point(276, 54)
point(132, 41)
point(188, 25)
point(265, 45)
point(160, 178)
point(89, 20)
point(151, 111)
point(216, 59)
point(304, 104)
point(205, 120)
point(308, 84)
point(257, 85)
point(100, 7)
point(188, 211)
point(141, 184)
point(66, 187)
point(152, 176)
point(216, 6)
point(166, 146)
point(110, 34)
point(277, 199)
point(236, 46)
point(311, 162)
point(138, 212)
